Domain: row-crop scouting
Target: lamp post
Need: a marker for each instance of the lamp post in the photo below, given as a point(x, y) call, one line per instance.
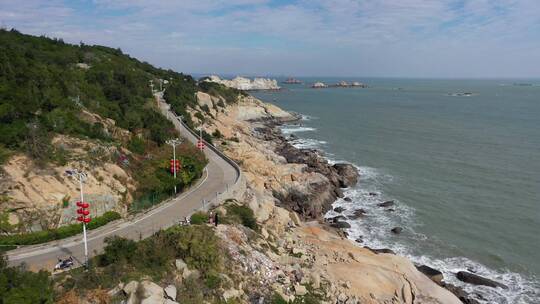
point(200, 142)
point(174, 142)
point(83, 209)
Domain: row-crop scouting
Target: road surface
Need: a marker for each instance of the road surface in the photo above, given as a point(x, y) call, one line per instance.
point(220, 176)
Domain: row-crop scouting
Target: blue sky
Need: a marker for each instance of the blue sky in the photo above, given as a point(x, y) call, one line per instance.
point(392, 38)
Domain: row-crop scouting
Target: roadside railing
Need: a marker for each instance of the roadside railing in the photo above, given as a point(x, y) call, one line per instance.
point(232, 191)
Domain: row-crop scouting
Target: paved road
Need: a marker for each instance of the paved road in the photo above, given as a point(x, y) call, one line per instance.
point(219, 175)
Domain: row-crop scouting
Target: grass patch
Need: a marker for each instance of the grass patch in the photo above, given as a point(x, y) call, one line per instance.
point(199, 218)
point(242, 215)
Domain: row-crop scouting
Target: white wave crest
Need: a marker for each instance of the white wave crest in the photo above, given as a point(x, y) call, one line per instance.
point(373, 229)
point(295, 129)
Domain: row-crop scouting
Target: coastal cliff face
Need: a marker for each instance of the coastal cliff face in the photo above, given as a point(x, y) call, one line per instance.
point(245, 84)
point(289, 191)
point(41, 198)
point(285, 252)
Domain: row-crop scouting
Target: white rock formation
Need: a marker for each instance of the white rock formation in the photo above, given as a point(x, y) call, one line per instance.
point(246, 84)
point(319, 85)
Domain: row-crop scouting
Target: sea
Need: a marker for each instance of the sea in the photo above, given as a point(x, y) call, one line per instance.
point(460, 159)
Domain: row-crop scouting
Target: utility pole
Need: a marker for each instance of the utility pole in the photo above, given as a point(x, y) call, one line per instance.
point(174, 142)
point(83, 211)
point(200, 143)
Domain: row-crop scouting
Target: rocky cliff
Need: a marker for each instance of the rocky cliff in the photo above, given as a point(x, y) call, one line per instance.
point(289, 191)
point(38, 198)
point(246, 84)
point(290, 255)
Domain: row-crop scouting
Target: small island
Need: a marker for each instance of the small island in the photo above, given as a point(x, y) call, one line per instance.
point(291, 80)
point(341, 84)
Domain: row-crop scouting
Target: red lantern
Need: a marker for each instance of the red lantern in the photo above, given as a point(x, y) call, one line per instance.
point(86, 212)
point(85, 205)
point(80, 219)
point(80, 211)
point(200, 144)
point(87, 220)
point(79, 204)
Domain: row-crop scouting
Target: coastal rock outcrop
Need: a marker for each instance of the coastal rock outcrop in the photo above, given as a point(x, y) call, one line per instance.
point(386, 204)
point(44, 198)
point(246, 84)
point(475, 279)
point(348, 174)
point(285, 183)
point(397, 230)
point(432, 273)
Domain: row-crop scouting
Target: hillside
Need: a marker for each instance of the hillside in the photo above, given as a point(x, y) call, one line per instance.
point(66, 106)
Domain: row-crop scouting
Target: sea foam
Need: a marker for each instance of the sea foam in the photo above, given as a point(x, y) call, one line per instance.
point(374, 231)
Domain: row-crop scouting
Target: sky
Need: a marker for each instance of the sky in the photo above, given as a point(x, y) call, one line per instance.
point(366, 38)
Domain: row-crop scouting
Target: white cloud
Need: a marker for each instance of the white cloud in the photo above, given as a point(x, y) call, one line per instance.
point(379, 37)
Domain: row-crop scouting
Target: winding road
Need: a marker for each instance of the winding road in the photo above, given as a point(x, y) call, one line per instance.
point(222, 179)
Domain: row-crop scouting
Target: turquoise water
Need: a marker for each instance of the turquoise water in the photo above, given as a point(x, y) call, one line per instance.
point(464, 170)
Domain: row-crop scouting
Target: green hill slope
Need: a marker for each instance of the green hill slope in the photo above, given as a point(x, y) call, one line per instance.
point(98, 95)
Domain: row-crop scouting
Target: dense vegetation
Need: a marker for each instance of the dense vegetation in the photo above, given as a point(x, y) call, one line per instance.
point(124, 260)
point(48, 87)
point(18, 286)
point(46, 83)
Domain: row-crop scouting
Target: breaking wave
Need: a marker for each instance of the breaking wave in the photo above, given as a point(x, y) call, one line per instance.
point(373, 230)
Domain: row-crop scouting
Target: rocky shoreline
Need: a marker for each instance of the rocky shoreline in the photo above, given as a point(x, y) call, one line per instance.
point(295, 253)
point(343, 175)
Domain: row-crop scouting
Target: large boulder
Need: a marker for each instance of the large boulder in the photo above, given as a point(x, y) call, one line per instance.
point(180, 265)
point(341, 225)
point(348, 175)
point(386, 204)
point(377, 251)
point(170, 292)
point(461, 294)
point(151, 293)
point(358, 213)
point(397, 230)
point(435, 275)
point(475, 279)
point(339, 209)
point(231, 294)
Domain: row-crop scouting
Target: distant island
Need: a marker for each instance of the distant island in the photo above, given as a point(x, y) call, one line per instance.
point(341, 84)
point(291, 80)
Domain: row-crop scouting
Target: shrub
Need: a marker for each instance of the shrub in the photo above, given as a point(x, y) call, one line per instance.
point(277, 299)
point(199, 218)
point(136, 145)
point(217, 134)
point(243, 215)
point(118, 250)
point(205, 108)
point(20, 286)
point(206, 136)
point(59, 233)
point(65, 201)
point(199, 116)
point(4, 154)
point(198, 246)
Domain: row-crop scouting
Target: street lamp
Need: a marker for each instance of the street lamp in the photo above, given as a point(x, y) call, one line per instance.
point(83, 210)
point(200, 142)
point(174, 142)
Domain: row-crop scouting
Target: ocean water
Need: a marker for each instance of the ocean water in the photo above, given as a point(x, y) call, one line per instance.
point(464, 171)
